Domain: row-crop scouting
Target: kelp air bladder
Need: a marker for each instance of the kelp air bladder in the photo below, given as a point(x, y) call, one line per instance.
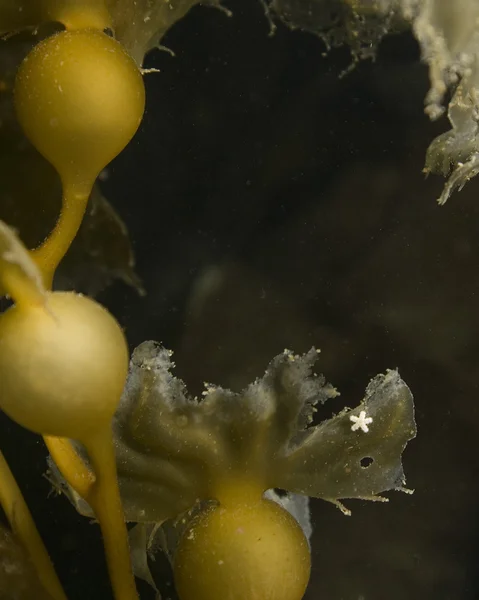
point(63, 358)
point(79, 98)
point(253, 550)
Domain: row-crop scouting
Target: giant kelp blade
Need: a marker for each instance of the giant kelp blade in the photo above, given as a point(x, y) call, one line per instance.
point(334, 460)
point(159, 453)
point(359, 24)
point(268, 412)
point(170, 447)
point(293, 391)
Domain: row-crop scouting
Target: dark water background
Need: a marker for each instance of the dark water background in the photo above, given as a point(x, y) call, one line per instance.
point(273, 204)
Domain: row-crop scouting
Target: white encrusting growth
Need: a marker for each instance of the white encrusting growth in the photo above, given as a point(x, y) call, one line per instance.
point(361, 422)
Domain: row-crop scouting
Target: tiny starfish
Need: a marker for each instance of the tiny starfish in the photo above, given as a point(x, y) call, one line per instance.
point(361, 422)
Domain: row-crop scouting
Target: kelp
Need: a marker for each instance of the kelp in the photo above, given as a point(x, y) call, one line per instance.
point(102, 251)
point(174, 451)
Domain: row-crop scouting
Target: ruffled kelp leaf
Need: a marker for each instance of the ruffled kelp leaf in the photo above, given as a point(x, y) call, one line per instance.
point(335, 460)
point(173, 450)
point(448, 34)
point(454, 154)
point(359, 24)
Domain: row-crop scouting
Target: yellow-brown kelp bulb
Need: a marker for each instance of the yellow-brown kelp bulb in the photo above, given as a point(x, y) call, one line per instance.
point(246, 552)
point(79, 98)
point(62, 366)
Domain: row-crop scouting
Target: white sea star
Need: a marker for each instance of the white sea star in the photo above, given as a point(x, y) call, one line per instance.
point(361, 422)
